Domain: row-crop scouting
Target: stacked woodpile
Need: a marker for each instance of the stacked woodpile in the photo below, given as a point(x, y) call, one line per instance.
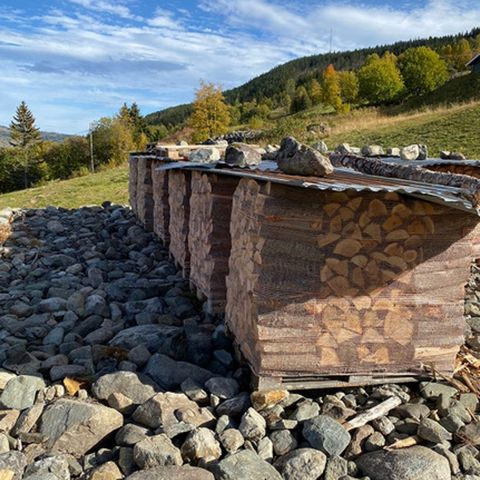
point(325, 282)
point(144, 192)
point(179, 190)
point(161, 209)
point(132, 183)
point(209, 235)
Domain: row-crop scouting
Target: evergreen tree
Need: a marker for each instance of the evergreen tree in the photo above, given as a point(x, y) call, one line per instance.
point(23, 135)
point(422, 70)
point(301, 100)
point(23, 131)
point(379, 79)
point(210, 116)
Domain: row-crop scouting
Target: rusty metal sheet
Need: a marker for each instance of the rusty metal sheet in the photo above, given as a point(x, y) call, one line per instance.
point(344, 179)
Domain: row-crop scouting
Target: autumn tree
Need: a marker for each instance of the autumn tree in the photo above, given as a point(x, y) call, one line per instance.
point(461, 54)
point(348, 82)
point(331, 88)
point(210, 117)
point(422, 70)
point(133, 119)
point(379, 79)
point(301, 100)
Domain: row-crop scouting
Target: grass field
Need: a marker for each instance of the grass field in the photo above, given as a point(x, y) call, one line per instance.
point(89, 190)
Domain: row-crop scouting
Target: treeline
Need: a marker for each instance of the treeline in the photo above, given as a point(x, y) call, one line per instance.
point(271, 88)
point(30, 161)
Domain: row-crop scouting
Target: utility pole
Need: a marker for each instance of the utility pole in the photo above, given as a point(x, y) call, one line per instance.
point(92, 161)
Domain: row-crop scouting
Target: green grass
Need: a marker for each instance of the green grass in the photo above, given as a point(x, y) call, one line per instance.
point(454, 130)
point(92, 189)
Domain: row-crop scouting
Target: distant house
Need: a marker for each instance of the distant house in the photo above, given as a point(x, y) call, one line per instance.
point(474, 64)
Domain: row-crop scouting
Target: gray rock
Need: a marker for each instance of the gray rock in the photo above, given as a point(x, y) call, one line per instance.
point(264, 449)
point(384, 425)
point(130, 434)
point(184, 472)
point(412, 463)
point(20, 392)
point(283, 442)
point(393, 152)
point(343, 149)
point(136, 387)
point(57, 466)
point(222, 387)
point(432, 390)
point(54, 337)
point(432, 431)
point(156, 451)
point(28, 418)
point(204, 155)
point(231, 440)
point(166, 409)
point(321, 146)
point(52, 305)
point(15, 462)
point(235, 406)
point(242, 155)
point(336, 468)
point(193, 391)
point(372, 150)
point(296, 159)
point(169, 373)
point(412, 152)
point(75, 427)
point(415, 411)
point(302, 464)
point(245, 465)
point(139, 355)
point(154, 337)
point(326, 434)
point(201, 446)
point(252, 425)
point(61, 371)
point(305, 410)
point(96, 305)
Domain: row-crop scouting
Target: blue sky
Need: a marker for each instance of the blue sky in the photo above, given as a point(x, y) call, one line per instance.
point(74, 61)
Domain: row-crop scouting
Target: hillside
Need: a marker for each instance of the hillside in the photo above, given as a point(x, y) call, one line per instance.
point(274, 81)
point(51, 136)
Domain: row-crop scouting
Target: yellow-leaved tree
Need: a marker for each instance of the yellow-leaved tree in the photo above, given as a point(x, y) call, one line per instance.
point(210, 116)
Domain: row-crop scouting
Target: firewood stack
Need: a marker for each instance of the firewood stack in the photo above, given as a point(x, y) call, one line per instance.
point(179, 190)
point(325, 282)
point(209, 236)
point(161, 210)
point(144, 192)
point(132, 183)
point(458, 169)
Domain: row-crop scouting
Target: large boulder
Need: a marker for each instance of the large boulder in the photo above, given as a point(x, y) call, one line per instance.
point(73, 426)
point(245, 465)
point(170, 472)
point(242, 155)
point(326, 434)
point(166, 409)
point(412, 152)
point(295, 158)
point(412, 463)
point(302, 464)
point(136, 387)
point(20, 392)
point(169, 373)
point(158, 338)
point(156, 451)
point(204, 155)
point(372, 150)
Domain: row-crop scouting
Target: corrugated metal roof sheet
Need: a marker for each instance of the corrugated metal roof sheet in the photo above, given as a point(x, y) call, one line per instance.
point(344, 179)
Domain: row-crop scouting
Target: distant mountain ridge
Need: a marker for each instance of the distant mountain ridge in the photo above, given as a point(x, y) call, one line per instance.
point(50, 136)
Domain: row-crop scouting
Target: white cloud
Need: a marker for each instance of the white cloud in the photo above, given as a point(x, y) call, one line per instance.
point(88, 64)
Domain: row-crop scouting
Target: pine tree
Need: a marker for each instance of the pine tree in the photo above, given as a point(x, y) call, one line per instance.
point(23, 131)
point(210, 116)
point(301, 100)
